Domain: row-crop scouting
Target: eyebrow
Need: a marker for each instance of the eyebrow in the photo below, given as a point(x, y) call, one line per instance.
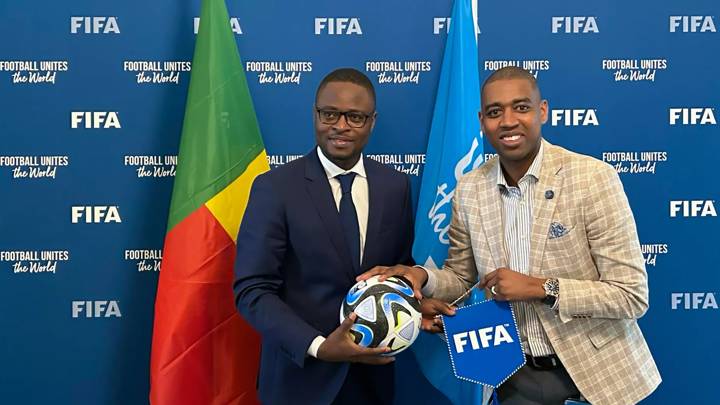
point(515, 101)
point(330, 108)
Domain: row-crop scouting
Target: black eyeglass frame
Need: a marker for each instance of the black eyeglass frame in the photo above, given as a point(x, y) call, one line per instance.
point(344, 113)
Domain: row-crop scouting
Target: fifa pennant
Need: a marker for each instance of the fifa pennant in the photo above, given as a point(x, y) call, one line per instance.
point(483, 342)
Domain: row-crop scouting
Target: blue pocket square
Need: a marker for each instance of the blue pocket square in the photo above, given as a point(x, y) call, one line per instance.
point(557, 230)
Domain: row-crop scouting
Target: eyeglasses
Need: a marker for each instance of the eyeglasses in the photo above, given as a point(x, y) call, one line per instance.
point(354, 119)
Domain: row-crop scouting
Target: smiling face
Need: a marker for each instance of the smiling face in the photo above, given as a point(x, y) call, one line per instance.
point(511, 117)
point(339, 142)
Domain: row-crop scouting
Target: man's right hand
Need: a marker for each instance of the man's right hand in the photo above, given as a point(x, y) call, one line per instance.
point(415, 275)
point(339, 346)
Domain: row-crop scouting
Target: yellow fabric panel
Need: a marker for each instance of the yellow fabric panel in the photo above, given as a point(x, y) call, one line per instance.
point(228, 206)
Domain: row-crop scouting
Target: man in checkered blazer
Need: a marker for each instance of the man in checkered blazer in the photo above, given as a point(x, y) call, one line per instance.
point(552, 232)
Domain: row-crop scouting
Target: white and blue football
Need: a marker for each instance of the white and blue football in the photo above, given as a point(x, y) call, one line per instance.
point(387, 313)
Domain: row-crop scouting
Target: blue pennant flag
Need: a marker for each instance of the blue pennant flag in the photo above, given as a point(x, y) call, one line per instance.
point(454, 148)
point(482, 334)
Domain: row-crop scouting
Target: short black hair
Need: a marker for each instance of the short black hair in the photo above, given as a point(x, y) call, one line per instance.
point(511, 72)
point(347, 75)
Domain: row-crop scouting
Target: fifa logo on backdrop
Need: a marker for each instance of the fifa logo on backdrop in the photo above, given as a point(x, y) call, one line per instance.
point(696, 300)
point(96, 309)
point(692, 208)
point(95, 214)
point(574, 25)
point(94, 25)
point(574, 118)
point(337, 26)
point(692, 116)
point(234, 25)
point(94, 119)
point(692, 23)
point(442, 25)
point(482, 338)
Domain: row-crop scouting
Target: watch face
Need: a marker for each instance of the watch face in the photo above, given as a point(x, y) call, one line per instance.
point(552, 290)
point(552, 287)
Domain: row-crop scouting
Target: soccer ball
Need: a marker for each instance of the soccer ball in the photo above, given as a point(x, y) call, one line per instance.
point(387, 313)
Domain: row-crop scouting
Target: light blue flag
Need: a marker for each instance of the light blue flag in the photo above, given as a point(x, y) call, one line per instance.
point(454, 148)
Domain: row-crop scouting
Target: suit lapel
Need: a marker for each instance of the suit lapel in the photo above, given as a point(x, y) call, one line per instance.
point(375, 214)
point(491, 215)
point(550, 181)
point(319, 189)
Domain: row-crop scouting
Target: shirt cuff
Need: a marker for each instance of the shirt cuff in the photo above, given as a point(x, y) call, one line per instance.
point(562, 312)
point(556, 306)
point(315, 345)
point(429, 287)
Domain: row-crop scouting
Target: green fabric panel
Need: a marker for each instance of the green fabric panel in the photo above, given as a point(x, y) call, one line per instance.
point(220, 134)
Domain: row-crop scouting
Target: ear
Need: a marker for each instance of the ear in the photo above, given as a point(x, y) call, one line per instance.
point(482, 123)
point(543, 111)
point(374, 119)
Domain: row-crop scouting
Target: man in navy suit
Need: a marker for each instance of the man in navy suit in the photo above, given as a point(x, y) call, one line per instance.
point(310, 227)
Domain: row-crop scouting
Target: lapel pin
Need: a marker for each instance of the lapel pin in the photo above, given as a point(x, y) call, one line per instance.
point(549, 194)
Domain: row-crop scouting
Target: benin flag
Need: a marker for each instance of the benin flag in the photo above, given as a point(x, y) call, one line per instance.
point(203, 352)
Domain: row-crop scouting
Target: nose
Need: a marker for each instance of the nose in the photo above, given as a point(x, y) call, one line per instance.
point(509, 119)
point(341, 124)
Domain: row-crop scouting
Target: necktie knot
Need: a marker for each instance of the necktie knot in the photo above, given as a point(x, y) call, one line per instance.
point(346, 181)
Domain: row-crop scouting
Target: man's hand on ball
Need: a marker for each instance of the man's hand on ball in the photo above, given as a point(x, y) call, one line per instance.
point(339, 346)
point(430, 309)
point(415, 275)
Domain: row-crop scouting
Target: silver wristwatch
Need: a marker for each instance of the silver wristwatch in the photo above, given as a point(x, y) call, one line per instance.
point(552, 291)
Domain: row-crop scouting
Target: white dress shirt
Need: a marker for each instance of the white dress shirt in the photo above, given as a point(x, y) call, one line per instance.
point(360, 196)
point(517, 203)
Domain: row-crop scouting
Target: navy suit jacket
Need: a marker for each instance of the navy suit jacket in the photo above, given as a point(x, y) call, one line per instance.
point(293, 270)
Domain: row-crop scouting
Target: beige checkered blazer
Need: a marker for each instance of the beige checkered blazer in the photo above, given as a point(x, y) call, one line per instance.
point(603, 283)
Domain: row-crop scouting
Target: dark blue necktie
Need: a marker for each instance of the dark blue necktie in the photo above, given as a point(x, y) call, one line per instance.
point(349, 219)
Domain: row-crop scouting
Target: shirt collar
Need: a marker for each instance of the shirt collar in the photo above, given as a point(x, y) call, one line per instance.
point(533, 170)
point(332, 170)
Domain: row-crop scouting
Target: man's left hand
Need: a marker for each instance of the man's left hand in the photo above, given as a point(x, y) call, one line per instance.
point(510, 285)
point(415, 275)
point(431, 308)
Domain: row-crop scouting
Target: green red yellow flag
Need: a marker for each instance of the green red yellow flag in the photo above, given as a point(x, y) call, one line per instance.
point(203, 352)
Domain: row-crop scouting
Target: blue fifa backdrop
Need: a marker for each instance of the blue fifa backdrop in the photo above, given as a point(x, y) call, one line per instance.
point(92, 96)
